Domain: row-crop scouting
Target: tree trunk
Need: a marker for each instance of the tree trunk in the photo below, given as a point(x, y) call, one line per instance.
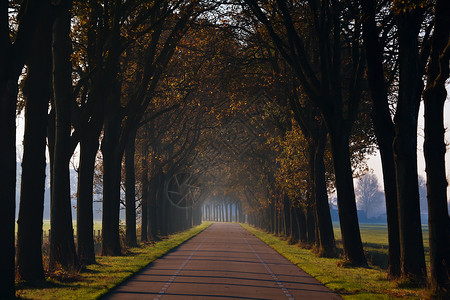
point(160, 212)
point(325, 236)
point(62, 246)
point(111, 176)
point(153, 226)
point(227, 218)
point(222, 212)
point(37, 92)
point(165, 206)
point(271, 212)
point(12, 58)
point(348, 218)
point(384, 131)
point(301, 219)
point(412, 259)
point(145, 199)
point(8, 97)
point(294, 226)
point(151, 212)
point(310, 225)
point(130, 193)
point(434, 149)
point(51, 122)
point(85, 220)
point(7, 185)
point(287, 217)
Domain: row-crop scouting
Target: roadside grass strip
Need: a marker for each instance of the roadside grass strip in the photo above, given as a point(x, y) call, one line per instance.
point(348, 282)
point(109, 271)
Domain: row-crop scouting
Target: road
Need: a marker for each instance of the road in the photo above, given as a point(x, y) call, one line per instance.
point(224, 261)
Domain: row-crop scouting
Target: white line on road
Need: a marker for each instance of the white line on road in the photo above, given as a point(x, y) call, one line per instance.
point(274, 277)
point(169, 282)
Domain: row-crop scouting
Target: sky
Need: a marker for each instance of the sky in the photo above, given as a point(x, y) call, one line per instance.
point(374, 162)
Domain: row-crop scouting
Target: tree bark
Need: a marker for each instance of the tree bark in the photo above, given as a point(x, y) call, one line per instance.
point(412, 259)
point(165, 209)
point(434, 149)
point(348, 218)
point(12, 58)
point(8, 98)
point(62, 247)
point(89, 145)
point(384, 131)
point(145, 200)
point(130, 193)
point(322, 210)
point(160, 206)
point(287, 218)
point(152, 208)
point(310, 225)
point(294, 236)
point(37, 93)
point(112, 161)
point(151, 212)
point(301, 219)
point(85, 220)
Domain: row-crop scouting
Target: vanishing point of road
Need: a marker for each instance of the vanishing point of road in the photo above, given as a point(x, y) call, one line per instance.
point(224, 261)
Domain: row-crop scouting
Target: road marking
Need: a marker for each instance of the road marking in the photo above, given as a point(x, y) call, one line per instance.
point(174, 276)
point(271, 273)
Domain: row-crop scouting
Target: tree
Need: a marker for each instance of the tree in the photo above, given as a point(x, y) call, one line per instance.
point(368, 194)
point(384, 127)
point(324, 85)
point(37, 93)
point(409, 17)
point(96, 74)
point(115, 131)
point(130, 192)
point(314, 129)
point(434, 97)
point(12, 58)
point(423, 195)
point(62, 247)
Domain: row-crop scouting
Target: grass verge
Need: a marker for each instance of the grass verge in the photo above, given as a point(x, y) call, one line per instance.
point(109, 271)
point(349, 282)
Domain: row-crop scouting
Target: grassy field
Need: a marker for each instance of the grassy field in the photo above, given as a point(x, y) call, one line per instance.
point(377, 234)
point(375, 241)
point(95, 280)
point(349, 282)
point(46, 225)
point(46, 228)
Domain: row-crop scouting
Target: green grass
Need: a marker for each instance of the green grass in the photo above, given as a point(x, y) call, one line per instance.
point(46, 227)
point(375, 242)
point(109, 271)
point(377, 234)
point(349, 282)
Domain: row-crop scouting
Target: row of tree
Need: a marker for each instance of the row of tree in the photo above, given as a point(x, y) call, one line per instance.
point(334, 48)
point(353, 74)
point(271, 103)
point(93, 75)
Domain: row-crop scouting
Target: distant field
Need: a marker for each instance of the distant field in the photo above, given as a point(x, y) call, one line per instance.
point(46, 226)
point(375, 241)
point(377, 233)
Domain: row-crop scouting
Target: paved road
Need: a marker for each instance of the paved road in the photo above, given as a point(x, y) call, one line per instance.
point(223, 262)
